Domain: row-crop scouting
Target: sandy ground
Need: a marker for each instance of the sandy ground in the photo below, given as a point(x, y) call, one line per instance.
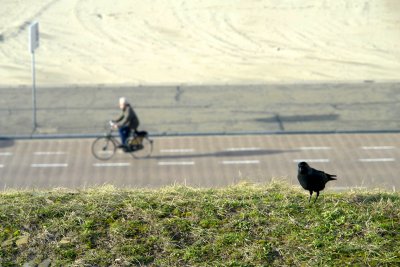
point(200, 41)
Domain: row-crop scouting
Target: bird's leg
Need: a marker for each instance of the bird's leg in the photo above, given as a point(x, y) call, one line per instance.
point(310, 196)
point(316, 197)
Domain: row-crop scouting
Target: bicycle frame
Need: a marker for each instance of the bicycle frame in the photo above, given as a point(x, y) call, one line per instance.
point(139, 145)
point(132, 136)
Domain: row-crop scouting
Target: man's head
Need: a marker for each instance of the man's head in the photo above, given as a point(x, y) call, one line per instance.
point(122, 102)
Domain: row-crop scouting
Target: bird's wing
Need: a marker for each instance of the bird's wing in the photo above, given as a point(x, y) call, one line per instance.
point(324, 175)
point(318, 172)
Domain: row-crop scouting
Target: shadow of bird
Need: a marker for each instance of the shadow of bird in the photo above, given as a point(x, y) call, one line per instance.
point(313, 180)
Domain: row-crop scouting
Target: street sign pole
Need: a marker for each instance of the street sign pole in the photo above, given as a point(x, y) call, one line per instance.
point(33, 92)
point(33, 44)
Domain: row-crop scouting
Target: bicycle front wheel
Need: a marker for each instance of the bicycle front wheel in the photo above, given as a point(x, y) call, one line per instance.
point(103, 148)
point(145, 149)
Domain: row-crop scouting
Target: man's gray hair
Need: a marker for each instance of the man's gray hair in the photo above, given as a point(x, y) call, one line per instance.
point(123, 100)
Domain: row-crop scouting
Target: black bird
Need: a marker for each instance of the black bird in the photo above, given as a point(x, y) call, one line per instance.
point(313, 180)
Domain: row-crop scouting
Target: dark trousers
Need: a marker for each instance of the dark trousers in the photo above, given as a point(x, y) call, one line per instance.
point(124, 132)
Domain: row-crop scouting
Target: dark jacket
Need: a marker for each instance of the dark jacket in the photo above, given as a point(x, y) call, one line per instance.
point(128, 118)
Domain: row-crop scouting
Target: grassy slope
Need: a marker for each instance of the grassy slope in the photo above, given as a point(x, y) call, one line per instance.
point(244, 225)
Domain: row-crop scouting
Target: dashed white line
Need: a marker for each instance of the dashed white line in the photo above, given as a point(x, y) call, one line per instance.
point(344, 188)
point(315, 148)
point(1, 166)
point(177, 163)
point(185, 150)
point(230, 162)
point(378, 147)
point(378, 160)
point(116, 164)
point(6, 154)
point(312, 160)
point(48, 165)
point(41, 153)
point(243, 149)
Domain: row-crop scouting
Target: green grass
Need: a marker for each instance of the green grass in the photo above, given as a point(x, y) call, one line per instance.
point(243, 225)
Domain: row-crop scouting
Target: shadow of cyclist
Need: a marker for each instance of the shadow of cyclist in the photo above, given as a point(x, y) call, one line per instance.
point(248, 153)
point(6, 142)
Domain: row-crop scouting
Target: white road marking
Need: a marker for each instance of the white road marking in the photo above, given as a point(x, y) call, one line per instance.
point(171, 163)
point(47, 165)
point(230, 162)
point(315, 148)
point(184, 150)
point(344, 188)
point(311, 160)
point(243, 149)
point(378, 160)
point(378, 147)
point(41, 153)
point(108, 152)
point(5, 154)
point(117, 164)
point(1, 166)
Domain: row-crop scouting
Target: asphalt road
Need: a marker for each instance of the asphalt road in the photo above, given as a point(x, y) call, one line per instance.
point(359, 160)
point(297, 107)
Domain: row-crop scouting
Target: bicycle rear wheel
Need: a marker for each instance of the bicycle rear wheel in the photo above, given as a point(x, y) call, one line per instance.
point(145, 150)
point(103, 148)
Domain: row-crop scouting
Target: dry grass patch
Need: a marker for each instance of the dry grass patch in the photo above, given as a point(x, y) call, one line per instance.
point(243, 225)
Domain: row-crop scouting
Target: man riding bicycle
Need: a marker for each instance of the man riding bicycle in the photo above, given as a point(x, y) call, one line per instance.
point(127, 122)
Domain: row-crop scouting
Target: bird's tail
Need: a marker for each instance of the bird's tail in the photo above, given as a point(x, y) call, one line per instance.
point(331, 177)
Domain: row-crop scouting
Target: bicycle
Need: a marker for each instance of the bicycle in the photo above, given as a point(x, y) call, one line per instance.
point(139, 145)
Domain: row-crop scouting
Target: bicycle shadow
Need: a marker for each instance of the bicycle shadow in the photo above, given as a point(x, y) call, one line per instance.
point(225, 154)
point(6, 142)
